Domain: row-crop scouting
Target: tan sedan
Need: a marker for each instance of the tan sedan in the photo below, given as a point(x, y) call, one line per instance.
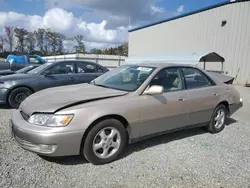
point(125, 105)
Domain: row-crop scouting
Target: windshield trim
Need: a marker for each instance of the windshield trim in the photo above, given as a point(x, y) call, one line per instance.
point(109, 87)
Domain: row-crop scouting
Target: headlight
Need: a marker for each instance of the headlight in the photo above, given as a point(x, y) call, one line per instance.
point(52, 120)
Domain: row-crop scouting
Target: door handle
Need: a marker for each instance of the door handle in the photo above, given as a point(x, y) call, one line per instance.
point(181, 99)
point(216, 94)
point(71, 79)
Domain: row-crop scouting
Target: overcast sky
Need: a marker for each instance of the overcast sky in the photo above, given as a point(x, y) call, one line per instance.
point(103, 23)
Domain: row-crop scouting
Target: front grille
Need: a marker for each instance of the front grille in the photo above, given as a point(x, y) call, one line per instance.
point(25, 116)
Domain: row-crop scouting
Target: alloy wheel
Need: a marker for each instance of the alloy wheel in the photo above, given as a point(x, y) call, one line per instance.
point(20, 97)
point(219, 118)
point(106, 142)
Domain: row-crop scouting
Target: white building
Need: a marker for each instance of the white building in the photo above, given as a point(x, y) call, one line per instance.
point(222, 28)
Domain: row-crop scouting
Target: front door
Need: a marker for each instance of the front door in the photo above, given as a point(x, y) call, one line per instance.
point(167, 111)
point(203, 94)
point(59, 75)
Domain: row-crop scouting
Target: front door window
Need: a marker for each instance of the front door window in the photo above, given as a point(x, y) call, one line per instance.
point(169, 79)
point(62, 68)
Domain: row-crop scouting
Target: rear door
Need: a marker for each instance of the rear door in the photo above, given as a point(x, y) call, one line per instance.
point(203, 95)
point(86, 72)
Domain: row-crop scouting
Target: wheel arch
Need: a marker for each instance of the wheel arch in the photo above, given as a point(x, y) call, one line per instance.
point(102, 118)
point(226, 104)
point(19, 86)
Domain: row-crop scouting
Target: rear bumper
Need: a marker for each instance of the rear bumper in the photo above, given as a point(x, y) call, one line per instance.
point(43, 140)
point(234, 107)
point(3, 95)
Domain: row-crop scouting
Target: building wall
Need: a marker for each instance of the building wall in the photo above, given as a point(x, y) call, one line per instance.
point(202, 32)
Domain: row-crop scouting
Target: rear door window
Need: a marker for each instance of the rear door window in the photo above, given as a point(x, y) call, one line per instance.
point(84, 67)
point(194, 78)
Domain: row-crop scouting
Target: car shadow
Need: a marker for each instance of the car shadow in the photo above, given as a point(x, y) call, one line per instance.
point(230, 121)
point(139, 146)
point(67, 160)
point(169, 137)
point(163, 139)
point(5, 107)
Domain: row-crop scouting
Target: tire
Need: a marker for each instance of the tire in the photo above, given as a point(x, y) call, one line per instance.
point(212, 128)
point(18, 95)
point(119, 140)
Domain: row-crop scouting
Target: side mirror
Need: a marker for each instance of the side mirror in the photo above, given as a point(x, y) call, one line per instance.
point(47, 73)
point(154, 90)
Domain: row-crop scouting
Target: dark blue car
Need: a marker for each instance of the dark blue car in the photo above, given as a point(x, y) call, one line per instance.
point(15, 88)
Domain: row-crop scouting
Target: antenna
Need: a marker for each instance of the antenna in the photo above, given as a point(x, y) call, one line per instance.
point(129, 22)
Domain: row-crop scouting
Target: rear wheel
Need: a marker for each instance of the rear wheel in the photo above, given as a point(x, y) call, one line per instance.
point(217, 122)
point(105, 142)
point(17, 96)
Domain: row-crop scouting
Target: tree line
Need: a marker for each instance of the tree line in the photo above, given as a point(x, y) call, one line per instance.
point(45, 42)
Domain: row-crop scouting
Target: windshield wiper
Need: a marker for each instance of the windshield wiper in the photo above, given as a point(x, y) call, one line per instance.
point(100, 85)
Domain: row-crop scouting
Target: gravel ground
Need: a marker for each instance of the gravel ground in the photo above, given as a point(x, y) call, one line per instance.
point(191, 158)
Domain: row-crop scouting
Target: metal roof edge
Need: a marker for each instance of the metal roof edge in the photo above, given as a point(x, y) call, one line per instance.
point(189, 13)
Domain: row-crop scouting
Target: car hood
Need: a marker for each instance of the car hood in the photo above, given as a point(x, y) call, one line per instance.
point(57, 98)
point(8, 71)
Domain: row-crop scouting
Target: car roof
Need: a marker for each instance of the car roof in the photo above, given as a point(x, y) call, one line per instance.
point(160, 64)
point(75, 61)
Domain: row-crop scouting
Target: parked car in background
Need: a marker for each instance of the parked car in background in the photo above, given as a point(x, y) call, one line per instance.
point(15, 62)
point(20, 71)
point(124, 105)
point(15, 88)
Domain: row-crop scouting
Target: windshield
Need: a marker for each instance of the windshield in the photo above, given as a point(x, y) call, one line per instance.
point(25, 69)
point(126, 78)
point(39, 69)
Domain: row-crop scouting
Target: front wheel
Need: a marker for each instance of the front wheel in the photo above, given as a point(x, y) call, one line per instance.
point(105, 142)
point(217, 122)
point(17, 96)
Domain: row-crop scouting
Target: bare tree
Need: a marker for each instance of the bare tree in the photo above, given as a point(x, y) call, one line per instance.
point(47, 41)
point(20, 34)
point(79, 47)
point(9, 36)
point(69, 45)
point(2, 43)
point(60, 45)
point(52, 40)
point(40, 37)
point(30, 42)
point(55, 42)
point(125, 49)
point(93, 51)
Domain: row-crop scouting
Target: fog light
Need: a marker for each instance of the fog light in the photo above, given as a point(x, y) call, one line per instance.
point(47, 148)
point(241, 100)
